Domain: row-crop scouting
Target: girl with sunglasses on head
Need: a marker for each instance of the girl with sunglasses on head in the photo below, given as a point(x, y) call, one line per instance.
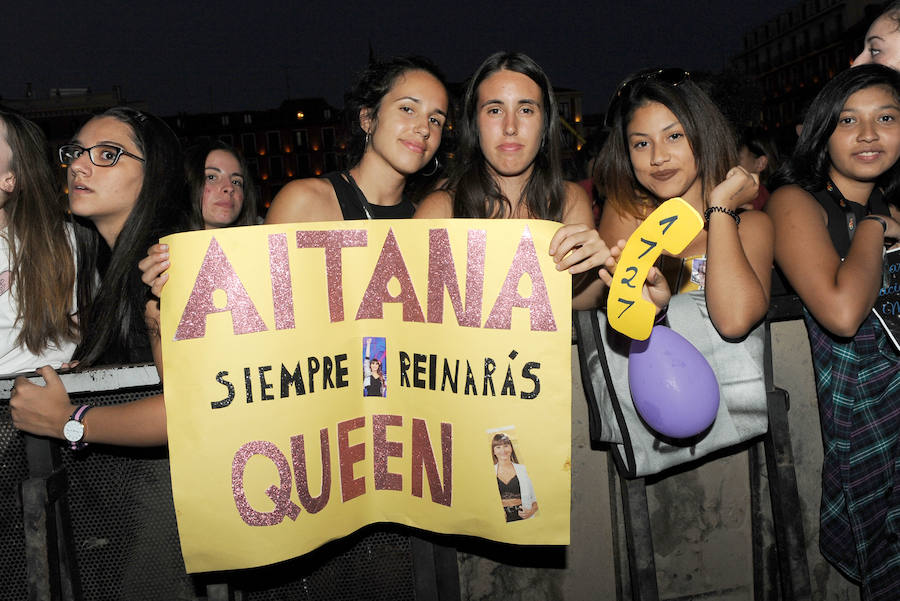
point(667, 139)
point(125, 182)
point(400, 106)
point(508, 166)
point(37, 270)
point(832, 223)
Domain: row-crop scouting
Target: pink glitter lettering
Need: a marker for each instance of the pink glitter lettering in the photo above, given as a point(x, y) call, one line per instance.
point(349, 455)
point(442, 274)
point(280, 495)
point(423, 458)
point(298, 453)
point(216, 273)
point(280, 270)
point(382, 449)
point(333, 241)
point(390, 265)
point(524, 262)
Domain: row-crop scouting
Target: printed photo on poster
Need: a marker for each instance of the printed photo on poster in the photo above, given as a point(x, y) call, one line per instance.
point(698, 272)
point(374, 366)
point(516, 490)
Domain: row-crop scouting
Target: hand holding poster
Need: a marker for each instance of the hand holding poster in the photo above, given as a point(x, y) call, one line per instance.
point(321, 377)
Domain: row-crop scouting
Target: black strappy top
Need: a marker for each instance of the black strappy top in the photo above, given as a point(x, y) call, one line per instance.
point(844, 215)
point(351, 202)
point(511, 489)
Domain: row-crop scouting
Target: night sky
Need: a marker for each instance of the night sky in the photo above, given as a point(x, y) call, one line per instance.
point(228, 55)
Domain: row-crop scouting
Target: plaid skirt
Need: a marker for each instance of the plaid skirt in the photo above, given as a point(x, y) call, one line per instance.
point(858, 385)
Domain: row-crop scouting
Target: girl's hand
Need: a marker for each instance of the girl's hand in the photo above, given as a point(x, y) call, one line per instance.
point(738, 188)
point(655, 288)
point(527, 513)
point(893, 228)
point(578, 248)
point(41, 410)
point(153, 268)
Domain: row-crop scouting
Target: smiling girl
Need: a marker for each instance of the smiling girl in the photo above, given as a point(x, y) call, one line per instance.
point(400, 106)
point(832, 221)
point(667, 139)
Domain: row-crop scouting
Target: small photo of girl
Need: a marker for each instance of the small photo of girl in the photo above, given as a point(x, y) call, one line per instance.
point(516, 491)
point(374, 364)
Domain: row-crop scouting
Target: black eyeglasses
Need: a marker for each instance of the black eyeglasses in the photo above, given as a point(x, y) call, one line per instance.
point(671, 76)
point(101, 155)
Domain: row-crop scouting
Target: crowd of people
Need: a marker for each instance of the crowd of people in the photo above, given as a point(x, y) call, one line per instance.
point(81, 287)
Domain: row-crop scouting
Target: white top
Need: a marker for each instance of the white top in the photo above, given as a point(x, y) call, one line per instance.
point(14, 358)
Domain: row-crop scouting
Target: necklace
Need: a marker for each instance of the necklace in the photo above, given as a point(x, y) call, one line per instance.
point(363, 202)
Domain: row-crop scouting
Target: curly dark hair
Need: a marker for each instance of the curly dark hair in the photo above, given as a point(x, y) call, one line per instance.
point(372, 84)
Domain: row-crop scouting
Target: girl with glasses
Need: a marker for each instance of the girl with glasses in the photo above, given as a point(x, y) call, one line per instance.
point(508, 166)
point(832, 222)
point(37, 269)
point(667, 139)
point(126, 190)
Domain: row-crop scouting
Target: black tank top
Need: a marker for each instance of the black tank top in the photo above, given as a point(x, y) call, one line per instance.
point(352, 205)
point(511, 489)
point(844, 215)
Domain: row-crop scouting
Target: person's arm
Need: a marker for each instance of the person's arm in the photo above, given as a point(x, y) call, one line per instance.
point(437, 205)
point(305, 200)
point(527, 513)
point(578, 247)
point(839, 294)
point(738, 258)
point(526, 490)
point(44, 410)
point(152, 319)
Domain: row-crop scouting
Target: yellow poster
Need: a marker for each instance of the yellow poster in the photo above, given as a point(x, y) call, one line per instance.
point(322, 377)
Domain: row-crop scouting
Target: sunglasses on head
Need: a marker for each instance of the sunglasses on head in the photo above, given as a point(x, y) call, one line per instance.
point(669, 76)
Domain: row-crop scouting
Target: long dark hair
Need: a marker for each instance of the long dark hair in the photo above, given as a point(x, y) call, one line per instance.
point(809, 165)
point(111, 296)
point(475, 192)
point(195, 176)
point(711, 138)
point(40, 255)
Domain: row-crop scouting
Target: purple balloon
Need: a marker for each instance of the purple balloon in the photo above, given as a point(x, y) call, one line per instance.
point(672, 385)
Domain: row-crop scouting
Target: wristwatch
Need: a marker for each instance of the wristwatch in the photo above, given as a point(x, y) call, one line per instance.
point(73, 431)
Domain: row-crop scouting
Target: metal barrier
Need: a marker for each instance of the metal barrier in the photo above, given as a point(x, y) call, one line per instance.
point(100, 525)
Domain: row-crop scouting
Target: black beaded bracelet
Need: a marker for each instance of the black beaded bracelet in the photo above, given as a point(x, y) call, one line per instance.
point(878, 219)
point(729, 212)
